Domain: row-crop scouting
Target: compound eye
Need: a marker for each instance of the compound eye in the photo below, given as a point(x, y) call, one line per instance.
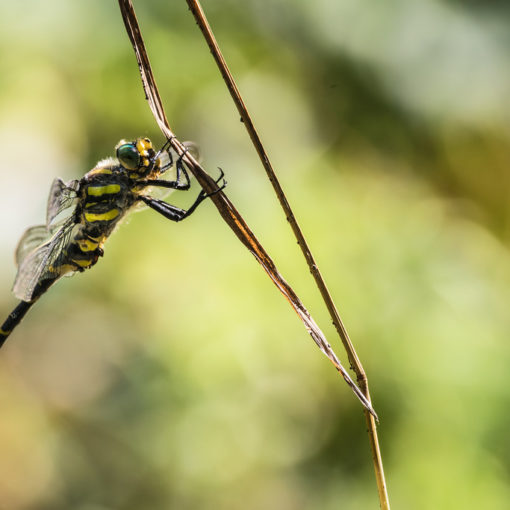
point(129, 157)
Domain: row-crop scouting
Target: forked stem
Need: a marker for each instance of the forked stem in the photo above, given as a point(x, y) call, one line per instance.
point(225, 207)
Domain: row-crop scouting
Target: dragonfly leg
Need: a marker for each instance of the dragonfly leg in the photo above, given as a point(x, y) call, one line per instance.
point(179, 167)
point(165, 184)
point(169, 152)
point(203, 195)
point(174, 213)
point(169, 211)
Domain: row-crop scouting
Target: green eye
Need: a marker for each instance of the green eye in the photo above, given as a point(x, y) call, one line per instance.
point(128, 156)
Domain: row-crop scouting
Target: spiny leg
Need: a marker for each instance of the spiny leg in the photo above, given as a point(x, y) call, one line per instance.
point(174, 213)
point(169, 152)
point(169, 211)
point(180, 168)
point(203, 195)
point(178, 165)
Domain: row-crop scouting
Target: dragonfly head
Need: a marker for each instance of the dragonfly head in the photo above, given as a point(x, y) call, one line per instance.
point(137, 157)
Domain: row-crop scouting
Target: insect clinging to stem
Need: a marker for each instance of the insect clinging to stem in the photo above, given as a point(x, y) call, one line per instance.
point(81, 215)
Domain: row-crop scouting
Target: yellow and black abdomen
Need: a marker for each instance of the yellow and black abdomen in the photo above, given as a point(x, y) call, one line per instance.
point(105, 197)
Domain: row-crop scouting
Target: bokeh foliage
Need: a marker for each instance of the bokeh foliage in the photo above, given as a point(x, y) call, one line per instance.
point(173, 375)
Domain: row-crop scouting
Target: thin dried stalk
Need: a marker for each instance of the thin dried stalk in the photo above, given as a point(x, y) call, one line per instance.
point(355, 362)
point(222, 203)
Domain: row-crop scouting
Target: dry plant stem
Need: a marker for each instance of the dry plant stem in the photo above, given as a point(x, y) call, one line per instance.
point(223, 204)
point(204, 26)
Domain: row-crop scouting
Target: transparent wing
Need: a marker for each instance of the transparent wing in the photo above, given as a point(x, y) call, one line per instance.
point(41, 263)
point(62, 196)
point(31, 239)
point(193, 149)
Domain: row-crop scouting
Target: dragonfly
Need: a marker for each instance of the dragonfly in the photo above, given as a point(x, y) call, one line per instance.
point(82, 214)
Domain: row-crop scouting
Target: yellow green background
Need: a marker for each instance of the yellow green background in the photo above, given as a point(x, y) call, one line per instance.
point(174, 375)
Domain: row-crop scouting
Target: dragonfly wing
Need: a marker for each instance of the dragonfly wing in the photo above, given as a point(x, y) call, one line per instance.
point(31, 239)
point(62, 196)
point(42, 263)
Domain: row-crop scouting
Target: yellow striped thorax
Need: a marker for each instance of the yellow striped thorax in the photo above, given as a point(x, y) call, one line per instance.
point(97, 191)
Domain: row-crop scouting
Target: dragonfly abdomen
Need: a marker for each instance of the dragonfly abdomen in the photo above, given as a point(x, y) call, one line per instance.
point(82, 252)
point(105, 197)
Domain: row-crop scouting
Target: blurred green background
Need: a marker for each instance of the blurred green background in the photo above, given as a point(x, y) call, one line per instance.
point(174, 375)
